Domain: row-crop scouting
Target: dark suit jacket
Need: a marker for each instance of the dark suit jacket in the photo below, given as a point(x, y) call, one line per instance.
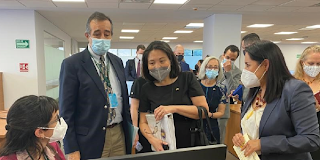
point(289, 128)
point(82, 99)
point(130, 70)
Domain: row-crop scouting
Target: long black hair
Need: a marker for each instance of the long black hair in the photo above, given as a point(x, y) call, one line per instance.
point(163, 46)
point(278, 72)
point(24, 117)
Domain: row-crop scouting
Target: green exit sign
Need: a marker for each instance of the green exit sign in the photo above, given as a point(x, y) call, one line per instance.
point(298, 55)
point(20, 43)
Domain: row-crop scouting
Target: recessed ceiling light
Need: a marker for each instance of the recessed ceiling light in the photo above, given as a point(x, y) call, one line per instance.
point(182, 31)
point(170, 1)
point(243, 32)
point(275, 42)
point(68, 0)
point(285, 32)
point(306, 29)
point(260, 25)
point(170, 38)
point(165, 41)
point(197, 41)
point(309, 42)
point(314, 26)
point(126, 37)
point(195, 25)
point(130, 30)
point(295, 39)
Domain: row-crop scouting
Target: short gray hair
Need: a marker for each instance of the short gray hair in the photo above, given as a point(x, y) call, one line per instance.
point(202, 71)
point(99, 17)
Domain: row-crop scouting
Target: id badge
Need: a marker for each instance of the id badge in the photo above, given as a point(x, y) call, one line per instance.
point(113, 100)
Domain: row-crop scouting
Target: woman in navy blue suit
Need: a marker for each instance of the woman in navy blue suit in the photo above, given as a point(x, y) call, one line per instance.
point(279, 114)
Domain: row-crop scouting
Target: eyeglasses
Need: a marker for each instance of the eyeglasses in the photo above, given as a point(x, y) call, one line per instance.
point(56, 120)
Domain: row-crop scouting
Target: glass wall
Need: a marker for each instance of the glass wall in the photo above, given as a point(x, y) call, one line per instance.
point(54, 55)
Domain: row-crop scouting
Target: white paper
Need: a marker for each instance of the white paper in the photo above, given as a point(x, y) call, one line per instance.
point(253, 156)
point(163, 130)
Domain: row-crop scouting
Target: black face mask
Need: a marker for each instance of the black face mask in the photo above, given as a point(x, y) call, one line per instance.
point(180, 57)
point(196, 67)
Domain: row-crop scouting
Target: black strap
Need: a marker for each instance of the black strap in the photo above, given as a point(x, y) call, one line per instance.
point(208, 121)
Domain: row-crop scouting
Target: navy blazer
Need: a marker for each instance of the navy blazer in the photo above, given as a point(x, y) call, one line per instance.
point(82, 99)
point(130, 70)
point(289, 128)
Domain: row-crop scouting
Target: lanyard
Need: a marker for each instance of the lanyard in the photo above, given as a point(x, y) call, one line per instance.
point(105, 77)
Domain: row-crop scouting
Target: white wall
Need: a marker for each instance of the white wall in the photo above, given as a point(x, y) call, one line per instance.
point(17, 24)
point(41, 25)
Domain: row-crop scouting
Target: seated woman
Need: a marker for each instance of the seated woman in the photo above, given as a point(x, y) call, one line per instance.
point(279, 115)
point(168, 91)
point(308, 70)
point(33, 127)
point(210, 74)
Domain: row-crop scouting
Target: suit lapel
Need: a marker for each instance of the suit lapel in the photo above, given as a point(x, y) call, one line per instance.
point(92, 72)
point(134, 67)
point(248, 104)
point(266, 114)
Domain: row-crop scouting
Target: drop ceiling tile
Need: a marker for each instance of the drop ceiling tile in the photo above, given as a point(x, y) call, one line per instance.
point(270, 2)
point(37, 4)
point(308, 9)
point(282, 9)
point(255, 8)
point(196, 7)
point(198, 2)
point(237, 2)
point(301, 3)
point(225, 8)
point(4, 4)
point(102, 5)
point(104, 1)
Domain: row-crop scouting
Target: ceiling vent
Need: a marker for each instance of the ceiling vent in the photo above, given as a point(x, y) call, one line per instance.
point(136, 1)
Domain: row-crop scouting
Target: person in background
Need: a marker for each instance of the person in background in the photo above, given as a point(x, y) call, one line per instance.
point(168, 91)
point(179, 52)
point(133, 66)
point(197, 67)
point(134, 110)
point(247, 40)
point(210, 75)
point(231, 80)
point(33, 127)
point(93, 97)
point(279, 115)
point(308, 70)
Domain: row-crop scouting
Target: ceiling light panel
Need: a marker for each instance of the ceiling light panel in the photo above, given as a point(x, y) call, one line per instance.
point(260, 25)
point(130, 31)
point(170, 38)
point(295, 39)
point(68, 0)
point(286, 33)
point(183, 31)
point(170, 1)
point(314, 26)
point(126, 37)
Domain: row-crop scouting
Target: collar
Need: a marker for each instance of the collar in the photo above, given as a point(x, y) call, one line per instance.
point(23, 155)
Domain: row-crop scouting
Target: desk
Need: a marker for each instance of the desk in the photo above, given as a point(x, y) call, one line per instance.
point(233, 126)
point(3, 123)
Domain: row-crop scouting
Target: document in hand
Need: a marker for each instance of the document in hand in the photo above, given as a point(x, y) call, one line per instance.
point(163, 129)
point(253, 156)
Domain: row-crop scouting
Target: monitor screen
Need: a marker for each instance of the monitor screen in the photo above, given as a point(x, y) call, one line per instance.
point(216, 152)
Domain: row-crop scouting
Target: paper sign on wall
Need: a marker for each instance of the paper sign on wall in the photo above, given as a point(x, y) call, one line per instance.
point(24, 67)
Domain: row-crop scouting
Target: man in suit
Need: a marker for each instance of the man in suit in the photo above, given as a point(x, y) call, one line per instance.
point(133, 66)
point(232, 79)
point(179, 52)
point(93, 97)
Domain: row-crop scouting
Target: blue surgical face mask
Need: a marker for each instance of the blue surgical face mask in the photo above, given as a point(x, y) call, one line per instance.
point(212, 73)
point(100, 46)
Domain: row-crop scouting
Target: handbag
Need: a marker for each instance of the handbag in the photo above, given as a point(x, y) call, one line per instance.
point(198, 135)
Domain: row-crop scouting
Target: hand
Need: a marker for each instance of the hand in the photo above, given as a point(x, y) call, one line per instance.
point(238, 140)
point(251, 146)
point(227, 66)
point(157, 144)
point(162, 110)
point(74, 155)
point(136, 140)
point(235, 98)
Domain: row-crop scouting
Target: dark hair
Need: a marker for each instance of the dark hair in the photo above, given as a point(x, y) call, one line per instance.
point(163, 46)
point(99, 17)
point(141, 46)
point(201, 60)
point(232, 48)
point(250, 39)
point(24, 116)
point(277, 73)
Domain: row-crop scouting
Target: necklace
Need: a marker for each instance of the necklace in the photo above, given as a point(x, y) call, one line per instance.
point(259, 100)
point(310, 82)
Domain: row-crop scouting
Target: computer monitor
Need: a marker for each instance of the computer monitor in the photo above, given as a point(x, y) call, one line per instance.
point(216, 152)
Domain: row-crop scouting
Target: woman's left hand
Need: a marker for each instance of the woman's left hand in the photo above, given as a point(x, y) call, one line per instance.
point(162, 110)
point(251, 146)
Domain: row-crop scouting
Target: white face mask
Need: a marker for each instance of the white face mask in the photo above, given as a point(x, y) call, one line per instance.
point(139, 56)
point(249, 79)
point(311, 71)
point(59, 131)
